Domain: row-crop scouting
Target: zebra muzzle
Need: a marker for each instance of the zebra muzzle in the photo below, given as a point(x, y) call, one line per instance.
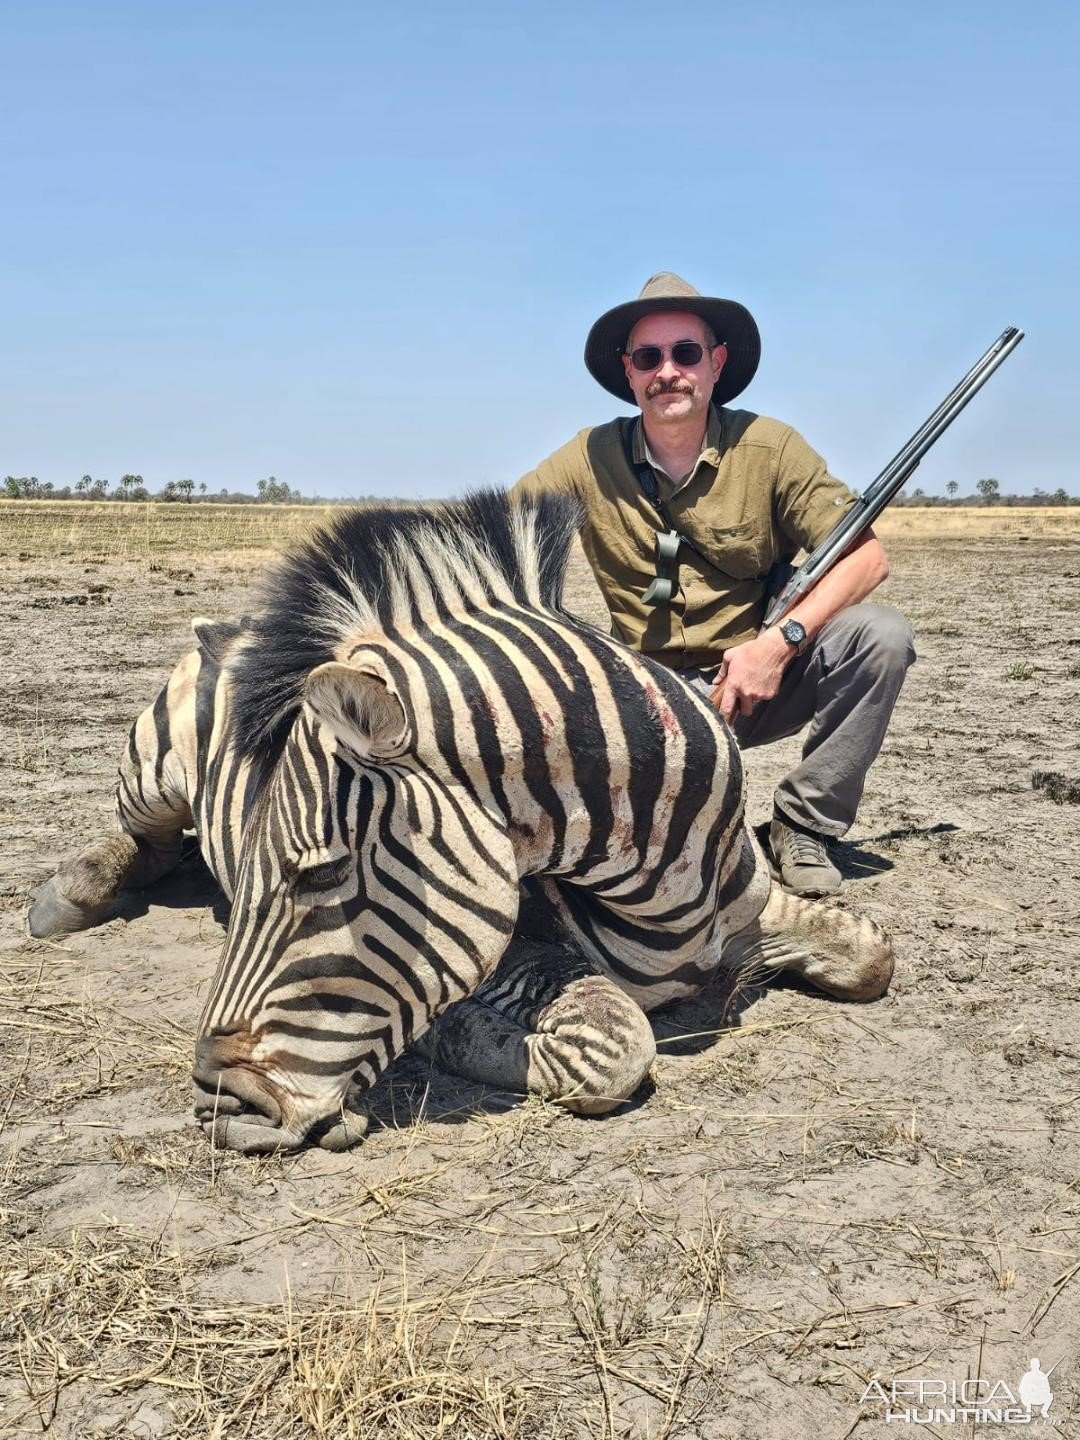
point(239, 1109)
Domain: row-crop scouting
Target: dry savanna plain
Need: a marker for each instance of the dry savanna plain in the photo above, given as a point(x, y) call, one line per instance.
point(800, 1203)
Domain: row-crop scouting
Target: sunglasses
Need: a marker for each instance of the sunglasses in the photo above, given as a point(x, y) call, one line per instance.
point(651, 357)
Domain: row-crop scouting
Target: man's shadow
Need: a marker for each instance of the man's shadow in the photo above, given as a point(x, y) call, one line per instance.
point(857, 859)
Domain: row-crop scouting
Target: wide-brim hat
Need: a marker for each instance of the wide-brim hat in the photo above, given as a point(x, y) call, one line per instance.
point(729, 321)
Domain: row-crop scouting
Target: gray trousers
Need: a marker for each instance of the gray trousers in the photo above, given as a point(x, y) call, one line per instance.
point(844, 687)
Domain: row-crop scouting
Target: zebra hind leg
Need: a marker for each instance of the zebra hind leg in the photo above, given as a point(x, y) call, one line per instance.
point(83, 890)
point(845, 955)
point(546, 1024)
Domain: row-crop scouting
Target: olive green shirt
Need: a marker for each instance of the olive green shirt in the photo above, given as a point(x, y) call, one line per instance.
point(757, 494)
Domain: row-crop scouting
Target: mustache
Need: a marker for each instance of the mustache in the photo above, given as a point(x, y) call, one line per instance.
point(677, 386)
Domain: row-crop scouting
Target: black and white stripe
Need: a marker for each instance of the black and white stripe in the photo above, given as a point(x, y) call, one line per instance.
point(409, 734)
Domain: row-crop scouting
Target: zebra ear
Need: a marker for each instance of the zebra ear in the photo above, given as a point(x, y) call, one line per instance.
point(217, 637)
point(360, 706)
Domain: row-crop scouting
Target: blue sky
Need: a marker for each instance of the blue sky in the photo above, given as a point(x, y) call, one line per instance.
point(359, 247)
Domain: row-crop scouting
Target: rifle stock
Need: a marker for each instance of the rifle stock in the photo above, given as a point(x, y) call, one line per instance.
point(895, 475)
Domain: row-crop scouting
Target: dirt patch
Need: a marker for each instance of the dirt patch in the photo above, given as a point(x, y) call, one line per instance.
point(826, 1195)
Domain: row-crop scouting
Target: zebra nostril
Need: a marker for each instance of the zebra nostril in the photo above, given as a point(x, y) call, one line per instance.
point(236, 1096)
point(225, 1086)
point(209, 1103)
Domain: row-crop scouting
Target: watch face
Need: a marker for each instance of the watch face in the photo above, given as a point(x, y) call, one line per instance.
point(793, 632)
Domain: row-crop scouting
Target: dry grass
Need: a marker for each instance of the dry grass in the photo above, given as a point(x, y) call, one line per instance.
point(979, 522)
point(114, 1314)
point(1062, 789)
point(120, 530)
point(58, 1049)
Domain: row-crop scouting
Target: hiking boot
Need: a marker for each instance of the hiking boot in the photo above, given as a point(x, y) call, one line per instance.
point(802, 861)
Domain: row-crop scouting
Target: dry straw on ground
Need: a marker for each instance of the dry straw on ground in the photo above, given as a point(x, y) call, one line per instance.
point(822, 1196)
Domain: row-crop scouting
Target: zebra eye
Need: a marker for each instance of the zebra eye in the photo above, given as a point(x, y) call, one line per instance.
point(327, 876)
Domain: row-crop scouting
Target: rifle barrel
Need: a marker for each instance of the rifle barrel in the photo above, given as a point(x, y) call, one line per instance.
point(895, 474)
point(934, 425)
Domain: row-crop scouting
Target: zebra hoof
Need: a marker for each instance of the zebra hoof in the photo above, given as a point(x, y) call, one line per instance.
point(52, 913)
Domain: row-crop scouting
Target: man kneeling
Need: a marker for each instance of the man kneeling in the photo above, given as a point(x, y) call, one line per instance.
point(688, 507)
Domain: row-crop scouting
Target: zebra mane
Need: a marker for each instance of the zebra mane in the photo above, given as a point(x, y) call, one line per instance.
point(374, 569)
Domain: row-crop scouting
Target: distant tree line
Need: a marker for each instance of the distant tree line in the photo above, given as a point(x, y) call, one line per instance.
point(989, 491)
point(270, 491)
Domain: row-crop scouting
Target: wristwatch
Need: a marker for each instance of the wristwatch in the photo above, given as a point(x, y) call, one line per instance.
point(795, 635)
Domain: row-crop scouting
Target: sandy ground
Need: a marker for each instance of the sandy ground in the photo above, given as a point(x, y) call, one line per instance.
point(826, 1195)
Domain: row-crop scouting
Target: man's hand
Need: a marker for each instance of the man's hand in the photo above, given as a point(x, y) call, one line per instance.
point(750, 674)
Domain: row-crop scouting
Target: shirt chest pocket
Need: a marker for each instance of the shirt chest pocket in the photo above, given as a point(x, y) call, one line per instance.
point(742, 551)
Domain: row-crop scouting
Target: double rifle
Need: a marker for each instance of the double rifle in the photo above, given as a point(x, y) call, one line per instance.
point(898, 471)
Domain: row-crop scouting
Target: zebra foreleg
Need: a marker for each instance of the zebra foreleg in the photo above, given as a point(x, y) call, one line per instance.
point(152, 812)
point(83, 890)
point(845, 955)
point(545, 1024)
